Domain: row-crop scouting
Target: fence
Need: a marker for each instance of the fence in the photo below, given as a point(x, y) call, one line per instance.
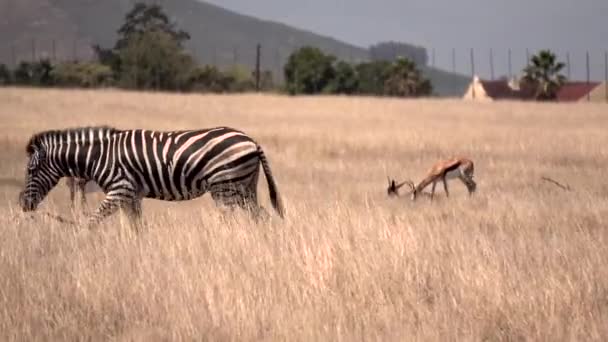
point(491, 63)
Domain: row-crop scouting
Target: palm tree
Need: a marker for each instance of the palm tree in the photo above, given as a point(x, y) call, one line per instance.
point(404, 79)
point(543, 75)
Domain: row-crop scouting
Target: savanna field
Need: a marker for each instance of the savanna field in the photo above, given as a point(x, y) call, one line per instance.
point(522, 259)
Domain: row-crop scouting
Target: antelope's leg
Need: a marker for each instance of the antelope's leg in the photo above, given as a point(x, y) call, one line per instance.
point(469, 183)
point(433, 189)
point(445, 186)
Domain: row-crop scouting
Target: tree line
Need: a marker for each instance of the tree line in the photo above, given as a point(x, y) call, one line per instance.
point(149, 54)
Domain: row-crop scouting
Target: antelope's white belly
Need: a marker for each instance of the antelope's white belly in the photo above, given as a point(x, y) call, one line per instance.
point(452, 174)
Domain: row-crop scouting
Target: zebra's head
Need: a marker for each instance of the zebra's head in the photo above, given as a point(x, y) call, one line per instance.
point(39, 178)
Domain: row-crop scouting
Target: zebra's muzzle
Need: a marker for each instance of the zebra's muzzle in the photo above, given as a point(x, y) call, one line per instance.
point(27, 203)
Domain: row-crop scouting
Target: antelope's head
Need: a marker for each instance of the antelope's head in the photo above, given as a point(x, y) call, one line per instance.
point(393, 187)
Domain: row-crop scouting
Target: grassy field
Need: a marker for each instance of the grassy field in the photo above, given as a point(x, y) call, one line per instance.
point(520, 260)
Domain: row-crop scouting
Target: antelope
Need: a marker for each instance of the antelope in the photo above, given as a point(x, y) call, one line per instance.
point(459, 167)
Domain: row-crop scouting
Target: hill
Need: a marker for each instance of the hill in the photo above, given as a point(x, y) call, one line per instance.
point(66, 29)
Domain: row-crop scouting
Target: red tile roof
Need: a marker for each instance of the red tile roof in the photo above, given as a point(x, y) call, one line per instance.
point(500, 89)
point(570, 91)
point(574, 91)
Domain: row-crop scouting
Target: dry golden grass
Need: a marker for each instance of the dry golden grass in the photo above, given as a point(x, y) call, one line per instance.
point(520, 260)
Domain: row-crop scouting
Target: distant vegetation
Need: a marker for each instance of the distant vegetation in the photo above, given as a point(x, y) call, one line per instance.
point(65, 30)
point(543, 75)
point(149, 54)
point(310, 71)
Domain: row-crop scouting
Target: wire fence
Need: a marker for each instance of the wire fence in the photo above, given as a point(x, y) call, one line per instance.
point(490, 64)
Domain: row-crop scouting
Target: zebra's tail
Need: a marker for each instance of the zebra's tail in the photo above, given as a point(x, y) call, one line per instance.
point(275, 197)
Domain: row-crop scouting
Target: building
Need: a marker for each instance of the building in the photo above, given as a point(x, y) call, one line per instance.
point(484, 90)
point(574, 91)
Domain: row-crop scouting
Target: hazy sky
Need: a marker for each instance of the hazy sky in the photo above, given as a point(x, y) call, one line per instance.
point(562, 25)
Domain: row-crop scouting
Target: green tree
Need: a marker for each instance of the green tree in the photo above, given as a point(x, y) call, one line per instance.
point(405, 80)
point(82, 74)
point(345, 80)
point(5, 75)
point(144, 18)
point(210, 79)
point(35, 73)
point(308, 71)
point(372, 76)
point(149, 51)
point(154, 60)
point(543, 75)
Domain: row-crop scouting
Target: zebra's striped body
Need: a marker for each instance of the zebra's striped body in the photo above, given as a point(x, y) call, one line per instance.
point(129, 165)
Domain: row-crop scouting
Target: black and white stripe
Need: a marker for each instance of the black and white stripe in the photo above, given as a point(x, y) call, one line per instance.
point(130, 165)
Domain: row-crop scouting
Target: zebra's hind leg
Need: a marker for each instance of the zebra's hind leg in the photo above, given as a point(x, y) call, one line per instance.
point(132, 208)
point(108, 206)
point(238, 197)
point(119, 197)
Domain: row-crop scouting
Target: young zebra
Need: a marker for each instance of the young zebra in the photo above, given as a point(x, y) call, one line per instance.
point(74, 185)
point(129, 165)
point(80, 185)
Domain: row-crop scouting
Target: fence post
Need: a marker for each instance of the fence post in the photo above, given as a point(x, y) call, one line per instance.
point(74, 53)
point(257, 67)
point(588, 74)
point(473, 73)
point(54, 51)
point(606, 74)
point(491, 64)
point(568, 64)
point(14, 55)
point(453, 60)
point(33, 50)
point(509, 63)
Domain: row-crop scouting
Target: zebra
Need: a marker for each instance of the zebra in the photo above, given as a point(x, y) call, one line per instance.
point(75, 185)
point(129, 165)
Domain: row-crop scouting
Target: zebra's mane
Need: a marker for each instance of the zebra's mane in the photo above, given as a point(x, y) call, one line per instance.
point(37, 138)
